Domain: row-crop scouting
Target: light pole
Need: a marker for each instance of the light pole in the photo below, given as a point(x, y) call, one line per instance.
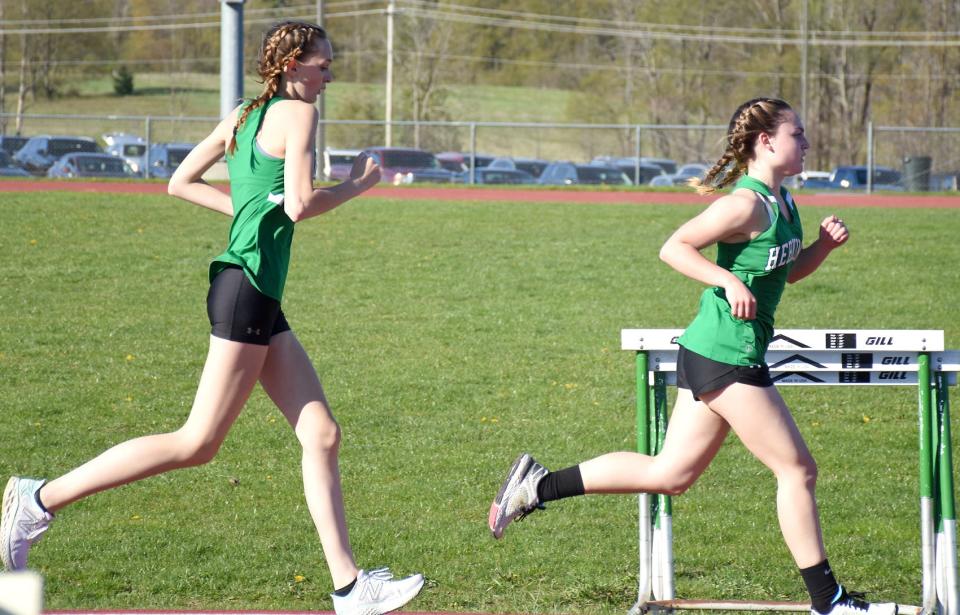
point(231, 54)
point(388, 103)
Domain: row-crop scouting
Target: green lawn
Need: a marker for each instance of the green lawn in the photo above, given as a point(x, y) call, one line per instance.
point(450, 336)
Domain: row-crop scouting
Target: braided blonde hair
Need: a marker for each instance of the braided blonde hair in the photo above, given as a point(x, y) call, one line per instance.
point(752, 118)
point(282, 43)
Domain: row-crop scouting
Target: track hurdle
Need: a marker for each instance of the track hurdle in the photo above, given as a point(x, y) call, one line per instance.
point(813, 357)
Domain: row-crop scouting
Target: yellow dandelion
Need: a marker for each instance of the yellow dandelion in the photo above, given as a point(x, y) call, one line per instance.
point(135, 517)
point(483, 419)
point(130, 357)
point(33, 242)
point(299, 578)
point(494, 419)
point(866, 419)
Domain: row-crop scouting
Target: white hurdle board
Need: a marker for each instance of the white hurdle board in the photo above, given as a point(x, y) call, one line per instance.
point(821, 356)
point(817, 357)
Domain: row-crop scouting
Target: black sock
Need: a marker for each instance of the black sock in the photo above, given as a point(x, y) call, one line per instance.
point(36, 498)
point(822, 586)
point(560, 484)
point(343, 591)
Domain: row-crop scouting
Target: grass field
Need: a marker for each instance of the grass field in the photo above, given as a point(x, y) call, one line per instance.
point(449, 336)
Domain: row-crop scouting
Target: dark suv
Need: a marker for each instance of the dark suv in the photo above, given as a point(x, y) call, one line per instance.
point(401, 165)
point(39, 153)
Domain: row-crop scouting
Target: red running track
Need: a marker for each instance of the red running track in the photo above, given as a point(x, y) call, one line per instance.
point(831, 199)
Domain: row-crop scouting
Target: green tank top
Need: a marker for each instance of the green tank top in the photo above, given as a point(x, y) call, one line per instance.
point(261, 232)
point(762, 264)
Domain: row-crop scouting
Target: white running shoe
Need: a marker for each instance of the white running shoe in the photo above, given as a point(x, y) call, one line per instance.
point(518, 494)
point(852, 604)
point(376, 592)
point(22, 521)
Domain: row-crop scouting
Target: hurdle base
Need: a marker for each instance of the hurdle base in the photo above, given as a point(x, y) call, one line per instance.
point(654, 606)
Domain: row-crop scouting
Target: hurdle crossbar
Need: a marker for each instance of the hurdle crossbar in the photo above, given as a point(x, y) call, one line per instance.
point(813, 357)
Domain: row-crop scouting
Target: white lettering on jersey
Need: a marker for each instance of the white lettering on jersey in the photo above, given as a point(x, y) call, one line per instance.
point(783, 254)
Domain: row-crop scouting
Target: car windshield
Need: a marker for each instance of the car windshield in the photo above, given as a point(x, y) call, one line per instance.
point(176, 156)
point(5, 160)
point(599, 175)
point(12, 144)
point(342, 158)
point(98, 164)
point(134, 149)
point(59, 147)
point(410, 160)
point(880, 176)
point(533, 168)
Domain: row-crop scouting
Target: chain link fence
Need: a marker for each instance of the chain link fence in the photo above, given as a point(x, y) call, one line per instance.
point(926, 158)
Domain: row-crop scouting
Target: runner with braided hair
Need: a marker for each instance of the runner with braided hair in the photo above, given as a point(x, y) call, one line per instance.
point(269, 147)
point(723, 383)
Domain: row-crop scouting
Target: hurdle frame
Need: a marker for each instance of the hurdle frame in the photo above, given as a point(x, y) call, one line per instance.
point(818, 357)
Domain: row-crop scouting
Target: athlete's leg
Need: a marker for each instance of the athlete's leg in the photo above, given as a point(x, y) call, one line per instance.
point(291, 381)
point(228, 377)
point(762, 421)
point(694, 435)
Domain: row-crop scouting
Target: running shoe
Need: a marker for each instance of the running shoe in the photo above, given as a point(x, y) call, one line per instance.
point(22, 521)
point(376, 592)
point(852, 603)
point(518, 494)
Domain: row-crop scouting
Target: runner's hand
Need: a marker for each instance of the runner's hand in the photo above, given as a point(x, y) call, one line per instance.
point(833, 232)
point(365, 172)
point(743, 305)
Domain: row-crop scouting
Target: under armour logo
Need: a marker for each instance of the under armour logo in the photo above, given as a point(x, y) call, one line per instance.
point(252, 331)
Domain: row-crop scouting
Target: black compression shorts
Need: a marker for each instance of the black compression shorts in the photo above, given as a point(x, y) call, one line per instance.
point(702, 375)
point(239, 312)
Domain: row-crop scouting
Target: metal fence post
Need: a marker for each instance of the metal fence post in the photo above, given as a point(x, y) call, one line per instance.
point(869, 156)
point(636, 154)
point(473, 151)
point(147, 138)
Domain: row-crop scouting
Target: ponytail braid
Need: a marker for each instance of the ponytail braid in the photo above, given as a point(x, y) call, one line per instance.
point(752, 118)
point(283, 43)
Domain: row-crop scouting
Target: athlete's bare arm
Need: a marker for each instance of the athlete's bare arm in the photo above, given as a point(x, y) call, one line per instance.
point(187, 181)
point(833, 234)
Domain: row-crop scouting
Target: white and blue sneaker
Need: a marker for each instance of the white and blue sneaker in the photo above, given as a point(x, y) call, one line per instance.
point(376, 592)
point(517, 497)
point(22, 521)
point(852, 603)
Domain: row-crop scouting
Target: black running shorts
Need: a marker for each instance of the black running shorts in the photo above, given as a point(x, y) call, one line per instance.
point(239, 312)
point(702, 375)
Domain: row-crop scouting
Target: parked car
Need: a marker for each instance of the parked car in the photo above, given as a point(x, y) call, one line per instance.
point(944, 182)
point(12, 143)
point(533, 166)
point(8, 168)
point(811, 180)
point(458, 162)
point(131, 148)
point(402, 165)
point(854, 177)
point(683, 175)
point(649, 167)
point(337, 163)
point(491, 175)
point(83, 164)
point(568, 173)
point(164, 158)
point(39, 153)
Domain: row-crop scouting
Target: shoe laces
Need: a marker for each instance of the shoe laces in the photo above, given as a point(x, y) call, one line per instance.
point(526, 512)
point(856, 600)
point(380, 574)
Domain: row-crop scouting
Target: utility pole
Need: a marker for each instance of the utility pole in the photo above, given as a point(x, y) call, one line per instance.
point(231, 54)
point(388, 103)
point(321, 107)
point(804, 18)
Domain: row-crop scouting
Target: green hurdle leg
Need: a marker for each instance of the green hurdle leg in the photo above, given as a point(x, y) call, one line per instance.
point(663, 516)
point(946, 540)
point(645, 573)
